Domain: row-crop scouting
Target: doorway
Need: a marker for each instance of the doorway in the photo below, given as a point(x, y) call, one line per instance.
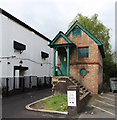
point(19, 74)
point(63, 61)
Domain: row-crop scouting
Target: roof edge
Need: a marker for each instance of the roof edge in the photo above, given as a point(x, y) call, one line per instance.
point(58, 35)
point(85, 30)
point(23, 24)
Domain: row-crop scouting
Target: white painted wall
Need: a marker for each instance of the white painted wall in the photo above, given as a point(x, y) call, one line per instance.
point(0, 50)
point(31, 57)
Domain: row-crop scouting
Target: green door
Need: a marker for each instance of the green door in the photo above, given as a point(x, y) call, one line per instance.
point(63, 60)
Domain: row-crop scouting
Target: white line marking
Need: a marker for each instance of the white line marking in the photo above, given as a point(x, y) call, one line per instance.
point(107, 98)
point(110, 95)
point(103, 110)
point(104, 103)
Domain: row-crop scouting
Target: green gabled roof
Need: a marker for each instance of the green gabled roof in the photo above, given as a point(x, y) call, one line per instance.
point(58, 35)
point(76, 23)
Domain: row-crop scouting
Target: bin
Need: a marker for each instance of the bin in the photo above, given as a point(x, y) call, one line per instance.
point(113, 84)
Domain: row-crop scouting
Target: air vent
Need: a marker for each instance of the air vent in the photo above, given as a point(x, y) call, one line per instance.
point(44, 55)
point(19, 46)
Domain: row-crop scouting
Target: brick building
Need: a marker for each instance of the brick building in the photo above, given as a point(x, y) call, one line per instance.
point(80, 55)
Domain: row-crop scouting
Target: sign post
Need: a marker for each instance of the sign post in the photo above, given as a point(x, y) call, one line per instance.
point(73, 99)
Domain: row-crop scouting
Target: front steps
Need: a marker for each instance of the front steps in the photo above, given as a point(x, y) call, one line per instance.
point(82, 89)
point(60, 84)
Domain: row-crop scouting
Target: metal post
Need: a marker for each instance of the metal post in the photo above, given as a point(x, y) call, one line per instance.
point(45, 85)
point(14, 83)
point(23, 83)
point(50, 82)
point(54, 60)
point(7, 86)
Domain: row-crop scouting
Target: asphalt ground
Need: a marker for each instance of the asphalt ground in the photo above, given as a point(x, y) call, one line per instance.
point(99, 106)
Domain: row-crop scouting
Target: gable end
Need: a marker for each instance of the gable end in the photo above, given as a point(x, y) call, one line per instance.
point(82, 28)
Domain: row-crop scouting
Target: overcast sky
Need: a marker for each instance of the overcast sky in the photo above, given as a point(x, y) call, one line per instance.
point(51, 16)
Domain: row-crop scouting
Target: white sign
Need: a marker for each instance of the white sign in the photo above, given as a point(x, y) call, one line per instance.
point(71, 98)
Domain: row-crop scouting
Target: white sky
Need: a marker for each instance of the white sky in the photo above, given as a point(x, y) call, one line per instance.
point(51, 16)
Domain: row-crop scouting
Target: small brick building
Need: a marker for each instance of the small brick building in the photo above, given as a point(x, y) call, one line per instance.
point(80, 55)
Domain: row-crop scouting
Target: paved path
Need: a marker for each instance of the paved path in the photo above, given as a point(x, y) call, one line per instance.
point(100, 106)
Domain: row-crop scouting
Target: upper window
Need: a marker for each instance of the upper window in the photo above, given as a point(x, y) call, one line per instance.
point(76, 31)
point(83, 52)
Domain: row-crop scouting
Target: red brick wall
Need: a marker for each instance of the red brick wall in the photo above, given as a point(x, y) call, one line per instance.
point(93, 78)
point(60, 40)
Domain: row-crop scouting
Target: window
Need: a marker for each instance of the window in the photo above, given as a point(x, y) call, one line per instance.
point(99, 69)
point(76, 31)
point(83, 72)
point(83, 52)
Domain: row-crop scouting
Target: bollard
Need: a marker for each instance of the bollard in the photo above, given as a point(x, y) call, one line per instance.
point(45, 84)
point(73, 100)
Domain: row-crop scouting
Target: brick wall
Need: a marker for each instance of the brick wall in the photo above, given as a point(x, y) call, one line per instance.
point(93, 80)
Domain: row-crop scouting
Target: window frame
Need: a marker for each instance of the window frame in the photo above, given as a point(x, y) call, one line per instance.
point(81, 51)
point(75, 32)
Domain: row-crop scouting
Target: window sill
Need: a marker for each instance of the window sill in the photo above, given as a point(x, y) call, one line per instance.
point(83, 58)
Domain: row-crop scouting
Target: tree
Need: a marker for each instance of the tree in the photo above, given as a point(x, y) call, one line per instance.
point(102, 33)
point(96, 28)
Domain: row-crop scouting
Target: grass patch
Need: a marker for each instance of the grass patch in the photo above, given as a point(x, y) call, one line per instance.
point(56, 103)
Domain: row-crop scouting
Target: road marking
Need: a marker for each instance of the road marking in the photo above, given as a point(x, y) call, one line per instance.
point(103, 110)
point(107, 98)
point(105, 103)
point(110, 95)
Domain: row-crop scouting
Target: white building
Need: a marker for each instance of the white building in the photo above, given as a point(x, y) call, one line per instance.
point(23, 52)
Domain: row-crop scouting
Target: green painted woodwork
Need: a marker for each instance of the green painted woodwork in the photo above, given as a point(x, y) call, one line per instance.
point(83, 52)
point(83, 72)
point(60, 34)
point(99, 69)
point(63, 60)
point(62, 45)
point(54, 60)
point(68, 65)
point(75, 24)
point(76, 31)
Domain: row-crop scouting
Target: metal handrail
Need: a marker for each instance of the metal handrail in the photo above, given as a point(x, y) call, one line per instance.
point(59, 70)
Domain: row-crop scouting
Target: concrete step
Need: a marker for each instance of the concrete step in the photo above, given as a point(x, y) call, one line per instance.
point(82, 89)
point(71, 77)
point(80, 86)
point(85, 90)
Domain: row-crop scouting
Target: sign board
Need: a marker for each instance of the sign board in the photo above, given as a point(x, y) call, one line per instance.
point(71, 98)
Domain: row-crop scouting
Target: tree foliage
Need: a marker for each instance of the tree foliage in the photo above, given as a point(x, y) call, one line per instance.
point(102, 33)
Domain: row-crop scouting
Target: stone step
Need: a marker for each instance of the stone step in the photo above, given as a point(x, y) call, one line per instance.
point(71, 77)
point(82, 88)
point(80, 93)
point(85, 90)
point(78, 84)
